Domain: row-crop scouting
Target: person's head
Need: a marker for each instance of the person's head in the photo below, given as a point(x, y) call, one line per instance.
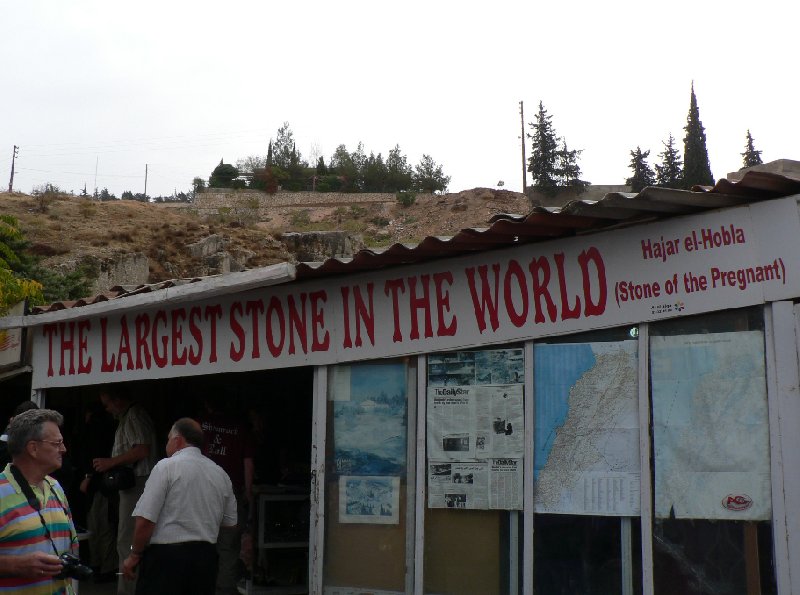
point(34, 437)
point(23, 407)
point(114, 402)
point(185, 432)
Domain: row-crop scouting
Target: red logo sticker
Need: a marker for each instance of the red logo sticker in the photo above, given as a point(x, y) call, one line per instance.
point(737, 503)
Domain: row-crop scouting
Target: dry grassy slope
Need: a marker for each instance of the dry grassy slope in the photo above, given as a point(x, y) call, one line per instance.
point(72, 228)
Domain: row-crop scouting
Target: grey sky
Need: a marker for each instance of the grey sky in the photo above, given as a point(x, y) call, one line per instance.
point(179, 85)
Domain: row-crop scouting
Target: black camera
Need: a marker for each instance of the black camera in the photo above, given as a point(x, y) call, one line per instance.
point(72, 568)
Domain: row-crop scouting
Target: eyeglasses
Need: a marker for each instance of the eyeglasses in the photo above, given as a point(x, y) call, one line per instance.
point(56, 443)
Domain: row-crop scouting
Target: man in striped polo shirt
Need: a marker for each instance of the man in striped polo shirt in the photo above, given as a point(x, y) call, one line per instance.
point(31, 540)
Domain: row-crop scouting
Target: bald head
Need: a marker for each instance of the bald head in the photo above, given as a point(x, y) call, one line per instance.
point(190, 430)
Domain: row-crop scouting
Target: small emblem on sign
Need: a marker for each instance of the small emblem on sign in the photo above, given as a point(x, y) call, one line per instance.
point(737, 503)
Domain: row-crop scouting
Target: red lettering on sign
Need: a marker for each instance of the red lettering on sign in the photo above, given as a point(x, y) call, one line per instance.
point(395, 286)
point(212, 314)
point(444, 329)
point(142, 324)
point(160, 357)
point(195, 315)
point(275, 310)
point(486, 300)
point(84, 365)
point(423, 303)
point(318, 298)
point(236, 353)
point(297, 323)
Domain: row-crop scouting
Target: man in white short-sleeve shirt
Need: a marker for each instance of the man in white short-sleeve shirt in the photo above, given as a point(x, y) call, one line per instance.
point(187, 500)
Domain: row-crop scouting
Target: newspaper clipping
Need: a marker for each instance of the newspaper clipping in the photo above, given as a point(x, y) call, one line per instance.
point(476, 430)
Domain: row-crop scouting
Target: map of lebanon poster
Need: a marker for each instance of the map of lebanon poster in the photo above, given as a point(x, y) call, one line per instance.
point(710, 426)
point(586, 440)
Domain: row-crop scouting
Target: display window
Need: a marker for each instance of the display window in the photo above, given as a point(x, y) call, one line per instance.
point(475, 470)
point(367, 518)
point(712, 501)
point(586, 467)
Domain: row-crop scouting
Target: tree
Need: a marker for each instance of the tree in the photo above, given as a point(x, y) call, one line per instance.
point(374, 174)
point(249, 164)
point(643, 174)
point(198, 185)
point(568, 172)
point(669, 173)
point(342, 165)
point(14, 285)
point(750, 157)
point(542, 163)
point(696, 169)
point(106, 195)
point(429, 177)
point(223, 176)
point(552, 164)
point(283, 146)
point(322, 169)
point(270, 160)
point(399, 175)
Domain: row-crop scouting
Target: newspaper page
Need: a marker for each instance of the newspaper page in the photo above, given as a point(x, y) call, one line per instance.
point(499, 421)
point(505, 484)
point(476, 429)
point(458, 485)
point(451, 422)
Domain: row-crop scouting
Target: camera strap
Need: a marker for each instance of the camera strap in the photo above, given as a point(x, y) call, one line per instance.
point(33, 501)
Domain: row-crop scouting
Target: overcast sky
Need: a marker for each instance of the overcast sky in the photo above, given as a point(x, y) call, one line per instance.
point(108, 87)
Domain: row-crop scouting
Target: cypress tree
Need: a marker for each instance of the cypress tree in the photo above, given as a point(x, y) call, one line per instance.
point(643, 174)
point(270, 161)
point(543, 161)
point(750, 157)
point(669, 173)
point(696, 170)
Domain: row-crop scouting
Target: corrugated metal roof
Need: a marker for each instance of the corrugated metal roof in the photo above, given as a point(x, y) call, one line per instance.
point(541, 224)
point(574, 218)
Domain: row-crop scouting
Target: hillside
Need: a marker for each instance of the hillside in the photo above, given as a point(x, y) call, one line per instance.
point(68, 230)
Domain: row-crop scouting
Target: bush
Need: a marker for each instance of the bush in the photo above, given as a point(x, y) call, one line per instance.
point(300, 219)
point(406, 198)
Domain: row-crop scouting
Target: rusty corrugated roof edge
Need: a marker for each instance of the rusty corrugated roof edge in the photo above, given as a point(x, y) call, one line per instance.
point(542, 223)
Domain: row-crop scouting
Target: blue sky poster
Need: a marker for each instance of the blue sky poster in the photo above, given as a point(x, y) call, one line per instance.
point(370, 423)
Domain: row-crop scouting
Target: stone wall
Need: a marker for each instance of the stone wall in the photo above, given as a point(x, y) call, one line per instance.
point(217, 201)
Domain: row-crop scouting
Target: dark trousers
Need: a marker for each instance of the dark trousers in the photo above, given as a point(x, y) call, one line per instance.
point(178, 569)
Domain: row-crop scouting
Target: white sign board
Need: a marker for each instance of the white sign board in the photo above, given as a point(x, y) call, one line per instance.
point(725, 259)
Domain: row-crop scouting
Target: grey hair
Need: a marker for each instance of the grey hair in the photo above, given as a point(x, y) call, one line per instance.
point(29, 425)
point(190, 430)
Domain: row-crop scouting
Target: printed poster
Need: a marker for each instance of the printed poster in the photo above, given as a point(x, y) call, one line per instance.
point(586, 438)
point(710, 427)
point(369, 403)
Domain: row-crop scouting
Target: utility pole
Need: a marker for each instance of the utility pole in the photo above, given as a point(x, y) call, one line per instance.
point(524, 163)
point(13, 160)
point(145, 182)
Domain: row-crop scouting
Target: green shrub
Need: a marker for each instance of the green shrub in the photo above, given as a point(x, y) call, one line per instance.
point(406, 198)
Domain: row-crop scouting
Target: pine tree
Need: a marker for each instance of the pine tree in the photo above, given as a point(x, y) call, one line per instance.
point(669, 173)
point(643, 174)
point(696, 170)
point(568, 172)
point(543, 161)
point(552, 164)
point(750, 157)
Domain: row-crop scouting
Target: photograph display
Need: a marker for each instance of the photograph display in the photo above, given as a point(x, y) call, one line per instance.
point(475, 433)
point(369, 404)
point(369, 419)
point(373, 500)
